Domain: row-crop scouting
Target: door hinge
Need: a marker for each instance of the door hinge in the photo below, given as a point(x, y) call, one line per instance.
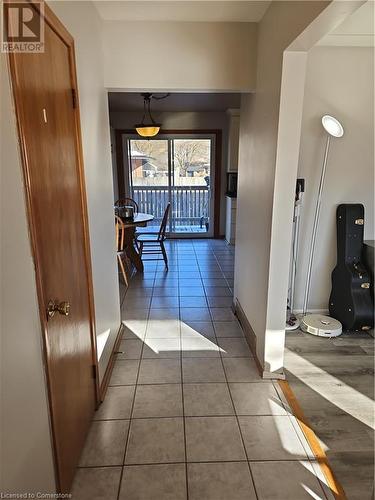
point(74, 98)
point(94, 372)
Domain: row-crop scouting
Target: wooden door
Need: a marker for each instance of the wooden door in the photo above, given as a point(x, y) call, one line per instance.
point(48, 121)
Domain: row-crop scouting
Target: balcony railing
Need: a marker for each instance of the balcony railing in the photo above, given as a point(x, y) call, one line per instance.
point(189, 204)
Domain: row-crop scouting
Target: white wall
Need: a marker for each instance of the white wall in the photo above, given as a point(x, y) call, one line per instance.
point(233, 139)
point(281, 24)
point(187, 121)
point(339, 81)
point(177, 55)
point(25, 446)
point(83, 22)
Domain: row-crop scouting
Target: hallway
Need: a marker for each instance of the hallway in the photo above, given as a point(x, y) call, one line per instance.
point(186, 415)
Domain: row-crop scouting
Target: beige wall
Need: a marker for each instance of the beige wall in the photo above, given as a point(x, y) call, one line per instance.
point(233, 139)
point(281, 24)
point(25, 444)
point(187, 121)
point(183, 56)
point(339, 81)
point(26, 453)
point(82, 21)
point(286, 168)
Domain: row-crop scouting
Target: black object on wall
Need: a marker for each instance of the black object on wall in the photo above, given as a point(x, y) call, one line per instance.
point(232, 184)
point(351, 301)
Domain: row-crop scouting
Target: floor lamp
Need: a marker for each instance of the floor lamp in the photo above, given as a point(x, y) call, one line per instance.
point(318, 324)
point(293, 322)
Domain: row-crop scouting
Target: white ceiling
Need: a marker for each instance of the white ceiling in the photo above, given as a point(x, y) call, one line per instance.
point(182, 102)
point(356, 31)
point(180, 10)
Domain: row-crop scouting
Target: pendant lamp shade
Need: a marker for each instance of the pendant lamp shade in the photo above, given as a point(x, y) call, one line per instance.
point(147, 130)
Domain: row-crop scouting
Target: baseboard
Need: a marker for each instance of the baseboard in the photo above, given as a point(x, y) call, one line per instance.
point(252, 341)
point(108, 371)
point(313, 311)
point(273, 375)
point(246, 326)
point(248, 331)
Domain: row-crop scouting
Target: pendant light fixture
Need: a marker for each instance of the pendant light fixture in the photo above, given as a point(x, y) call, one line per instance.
point(148, 127)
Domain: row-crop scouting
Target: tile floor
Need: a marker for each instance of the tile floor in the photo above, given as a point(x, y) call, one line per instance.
point(186, 415)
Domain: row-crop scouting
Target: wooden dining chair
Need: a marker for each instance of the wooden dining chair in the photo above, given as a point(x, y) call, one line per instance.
point(122, 258)
point(125, 202)
point(152, 243)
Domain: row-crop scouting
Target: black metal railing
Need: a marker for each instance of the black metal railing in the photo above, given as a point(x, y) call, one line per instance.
point(189, 204)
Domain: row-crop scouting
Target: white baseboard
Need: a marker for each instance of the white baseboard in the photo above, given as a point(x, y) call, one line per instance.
point(313, 311)
point(252, 341)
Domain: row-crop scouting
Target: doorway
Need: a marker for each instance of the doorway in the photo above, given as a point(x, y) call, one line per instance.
point(44, 87)
point(177, 167)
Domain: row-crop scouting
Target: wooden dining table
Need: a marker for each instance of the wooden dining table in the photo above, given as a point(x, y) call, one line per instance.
point(139, 220)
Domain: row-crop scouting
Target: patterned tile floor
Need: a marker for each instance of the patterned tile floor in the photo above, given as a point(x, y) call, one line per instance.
point(186, 415)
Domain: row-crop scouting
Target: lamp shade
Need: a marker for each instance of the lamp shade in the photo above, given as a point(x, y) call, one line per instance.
point(332, 126)
point(147, 130)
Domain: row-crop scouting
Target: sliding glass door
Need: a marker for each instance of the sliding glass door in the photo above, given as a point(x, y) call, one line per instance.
point(190, 185)
point(176, 169)
point(149, 174)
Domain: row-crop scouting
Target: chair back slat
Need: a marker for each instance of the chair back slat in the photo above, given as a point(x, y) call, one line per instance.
point(121, 255)
point(124, 202)
point(163, 225)
point(120, 230)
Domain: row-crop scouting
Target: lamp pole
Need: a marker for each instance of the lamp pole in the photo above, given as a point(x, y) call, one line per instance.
point(315, 226)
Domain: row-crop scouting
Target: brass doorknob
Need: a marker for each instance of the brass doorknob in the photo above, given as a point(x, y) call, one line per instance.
point(62, 308)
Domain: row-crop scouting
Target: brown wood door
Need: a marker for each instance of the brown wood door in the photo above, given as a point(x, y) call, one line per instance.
point(48, 121)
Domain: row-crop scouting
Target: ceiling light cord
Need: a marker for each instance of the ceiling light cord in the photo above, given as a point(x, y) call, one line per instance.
point(147, 96)
point(152, 128)
point(149, 110)
point(144, 111)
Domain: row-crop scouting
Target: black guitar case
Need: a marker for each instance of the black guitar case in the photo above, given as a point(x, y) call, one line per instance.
point(351, 299)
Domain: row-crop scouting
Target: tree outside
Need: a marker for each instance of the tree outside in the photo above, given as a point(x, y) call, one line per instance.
point(191, 156)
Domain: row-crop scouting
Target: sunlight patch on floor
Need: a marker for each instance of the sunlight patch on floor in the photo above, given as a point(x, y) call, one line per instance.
point(311, 492)
point(194, 341)
point(335, 391)
point(316, 470)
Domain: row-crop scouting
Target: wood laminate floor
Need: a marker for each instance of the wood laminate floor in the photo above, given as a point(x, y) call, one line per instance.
point(333, 380)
